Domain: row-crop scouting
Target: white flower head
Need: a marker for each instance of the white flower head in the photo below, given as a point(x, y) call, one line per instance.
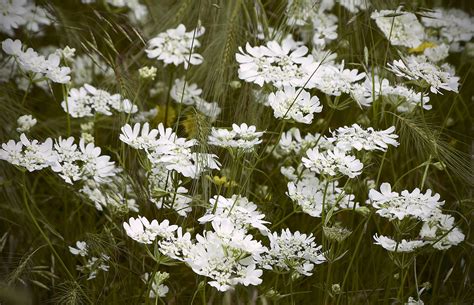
point(393, 246)
point(418, 68)
point(393, 205)
point(295, 104)
point(176, 46)
point(332, 162)
point(241, 136)
point(25, 123)
point(293, 251)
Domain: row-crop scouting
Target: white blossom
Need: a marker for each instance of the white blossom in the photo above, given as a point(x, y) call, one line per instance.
point(25, 123)
point(295, 104)
point(393, 246)
point(332, 162)
point(176, 46)
point(292, 251)
point(418, 68)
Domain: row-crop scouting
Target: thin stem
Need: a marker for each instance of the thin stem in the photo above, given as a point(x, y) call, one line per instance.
point(43, 234)
point(168, 97)
point(23, 100)
point(68, 116)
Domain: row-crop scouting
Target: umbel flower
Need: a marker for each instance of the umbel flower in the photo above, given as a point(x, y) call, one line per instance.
point(31, 62)
point(402, 28)
point(293, 251)
point(332, 162)
point(438, 229)
point(243, 137)
point(418, 68)
point(19, 13)
point(279, 65)
point(176, 46)
point(239, 210)
point(312, 195)
point(294, 104)
point(87, 101)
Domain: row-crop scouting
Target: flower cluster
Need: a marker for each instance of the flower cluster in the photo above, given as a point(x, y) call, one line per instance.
point(401, 28)
point(418, 68)
point(438, 229)
point(279, 65)
point(94, 264)
point(242, 137)
point(332, 162)
point(294, 104)
point(87, 101)
point(239, 210)
point(165, 148)
point(355, 137)
point(404, 98)
point(25, 123)
point(293, 252)
point(19, 13)
point(313, 196)
point(31, 155)
point(190, 94)
point(176, 46)
point(36, 65)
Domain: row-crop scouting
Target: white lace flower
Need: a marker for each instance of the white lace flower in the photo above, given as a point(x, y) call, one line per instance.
point(239, 210)
point(393, 246)
point(291, 142)
point(405, 99)
point(393, 205)
point(325, 28)
point(292, 251)
point(420, 69)
point(25, 123)
point(184, 92)
point(87, 100)
point(31, 155)
point(30, 62)
point(437, 53)
point(331, 79)
point(401, 28)
point(142, 231)
point(158, 289)
point(355, 137)
point(17, 13)
point(441, 232)
point(295, 104)
point(354, 6)
point(176, 46)
point(244, 137)
point(310, 193)
point(146, 139)
point(274, 64)
point(333, 162)
point(455, 26)
point(97, 166)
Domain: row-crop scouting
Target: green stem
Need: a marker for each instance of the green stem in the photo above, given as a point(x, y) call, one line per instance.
point(283, 219)
point(43, 234)
point(68, 117)
point(168, 97)
point(23, 100)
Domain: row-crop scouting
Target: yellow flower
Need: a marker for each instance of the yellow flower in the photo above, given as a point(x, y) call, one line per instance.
point(222, 181)
point(422, 47)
